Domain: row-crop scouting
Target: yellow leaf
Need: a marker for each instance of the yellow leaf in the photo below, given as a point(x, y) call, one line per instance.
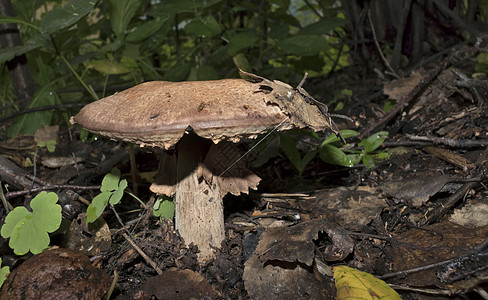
point(354, 284)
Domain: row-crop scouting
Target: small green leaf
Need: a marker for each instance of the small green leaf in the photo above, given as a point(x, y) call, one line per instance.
point(333, 155)
point(50, 145)
point(119, 193)
point(355, 158)
point(28, 231)
point(7, 54)
point(29, 123)
point(333, 138)
point(96, 208)
point(164, 207)
point(205, 27)
point(368, 161)
point(112, 190)
point(108, 67)
point(110, 182)
point(4, 271)
point(241, 62)
point(240, 42)
point(146, 29)
point(383, 155)
point(122, 12)
point(83, 134)
point(304, 45)
point(323, 26)
point(306, 159)
point(288, 144)
point(61, 17)
point(374, 141)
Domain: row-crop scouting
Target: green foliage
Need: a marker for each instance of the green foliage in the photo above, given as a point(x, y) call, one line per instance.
point(164, 207)
point(482, 63)
point(112, 190)
point(332, 151)
point(29, 123)
point(86, 45)
point(4, 271)
point(61, 17)
point(288, 144)
point(28, 231)
point(50, 145)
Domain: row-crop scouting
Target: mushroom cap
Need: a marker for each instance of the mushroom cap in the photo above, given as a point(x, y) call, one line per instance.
point(157, 113)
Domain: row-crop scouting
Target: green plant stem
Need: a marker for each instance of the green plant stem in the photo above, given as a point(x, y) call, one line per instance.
point(137, 198)
point(89, 90)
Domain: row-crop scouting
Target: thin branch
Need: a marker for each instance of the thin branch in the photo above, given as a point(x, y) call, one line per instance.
point(50, 187)
point(313, 9)
point(37, 109)
point(142, 253)
point(387, 64)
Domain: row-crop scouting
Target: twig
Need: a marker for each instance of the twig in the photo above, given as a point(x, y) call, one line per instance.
point(144, 255)
point(471, 85)
point(420, 290)
point(119, 219)
point(387, 64)
point(313, 9)
point(449, 202)
point(449, 142)
point(38, 109)
point(8, 207)
point(422, 268)
point(112, 286)
point(50, 187)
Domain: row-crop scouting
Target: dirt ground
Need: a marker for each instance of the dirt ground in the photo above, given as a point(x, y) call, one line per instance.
point(418, 220)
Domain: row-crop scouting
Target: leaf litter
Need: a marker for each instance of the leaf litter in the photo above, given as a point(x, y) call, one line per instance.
point(303, 237)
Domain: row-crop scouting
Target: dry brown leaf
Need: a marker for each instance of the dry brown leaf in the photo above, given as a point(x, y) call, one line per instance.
point(399, 88)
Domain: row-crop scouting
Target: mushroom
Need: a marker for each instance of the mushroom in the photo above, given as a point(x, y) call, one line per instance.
point(199, 120)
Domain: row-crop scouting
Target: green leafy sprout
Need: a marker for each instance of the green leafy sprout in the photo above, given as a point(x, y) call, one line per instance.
point(333, 152)
point(112, 190)
point(29, 231)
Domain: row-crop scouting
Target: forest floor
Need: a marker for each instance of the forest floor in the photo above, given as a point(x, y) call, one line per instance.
point(418, 219)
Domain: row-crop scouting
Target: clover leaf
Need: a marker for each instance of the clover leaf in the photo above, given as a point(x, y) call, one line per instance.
point(29, 231)
point(164, 207)
point(4, 271)
point(112, 190)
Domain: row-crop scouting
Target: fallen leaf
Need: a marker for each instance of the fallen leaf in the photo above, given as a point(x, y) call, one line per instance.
point(354, 284)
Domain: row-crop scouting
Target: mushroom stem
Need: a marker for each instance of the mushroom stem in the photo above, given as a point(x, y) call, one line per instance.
point(199, 214)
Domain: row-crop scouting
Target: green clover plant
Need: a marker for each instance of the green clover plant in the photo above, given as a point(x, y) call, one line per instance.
point(112, 190)
point(29, 231)
point(164, 207)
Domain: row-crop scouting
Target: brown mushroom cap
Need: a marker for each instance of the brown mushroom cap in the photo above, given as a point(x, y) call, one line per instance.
point(158, 113)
